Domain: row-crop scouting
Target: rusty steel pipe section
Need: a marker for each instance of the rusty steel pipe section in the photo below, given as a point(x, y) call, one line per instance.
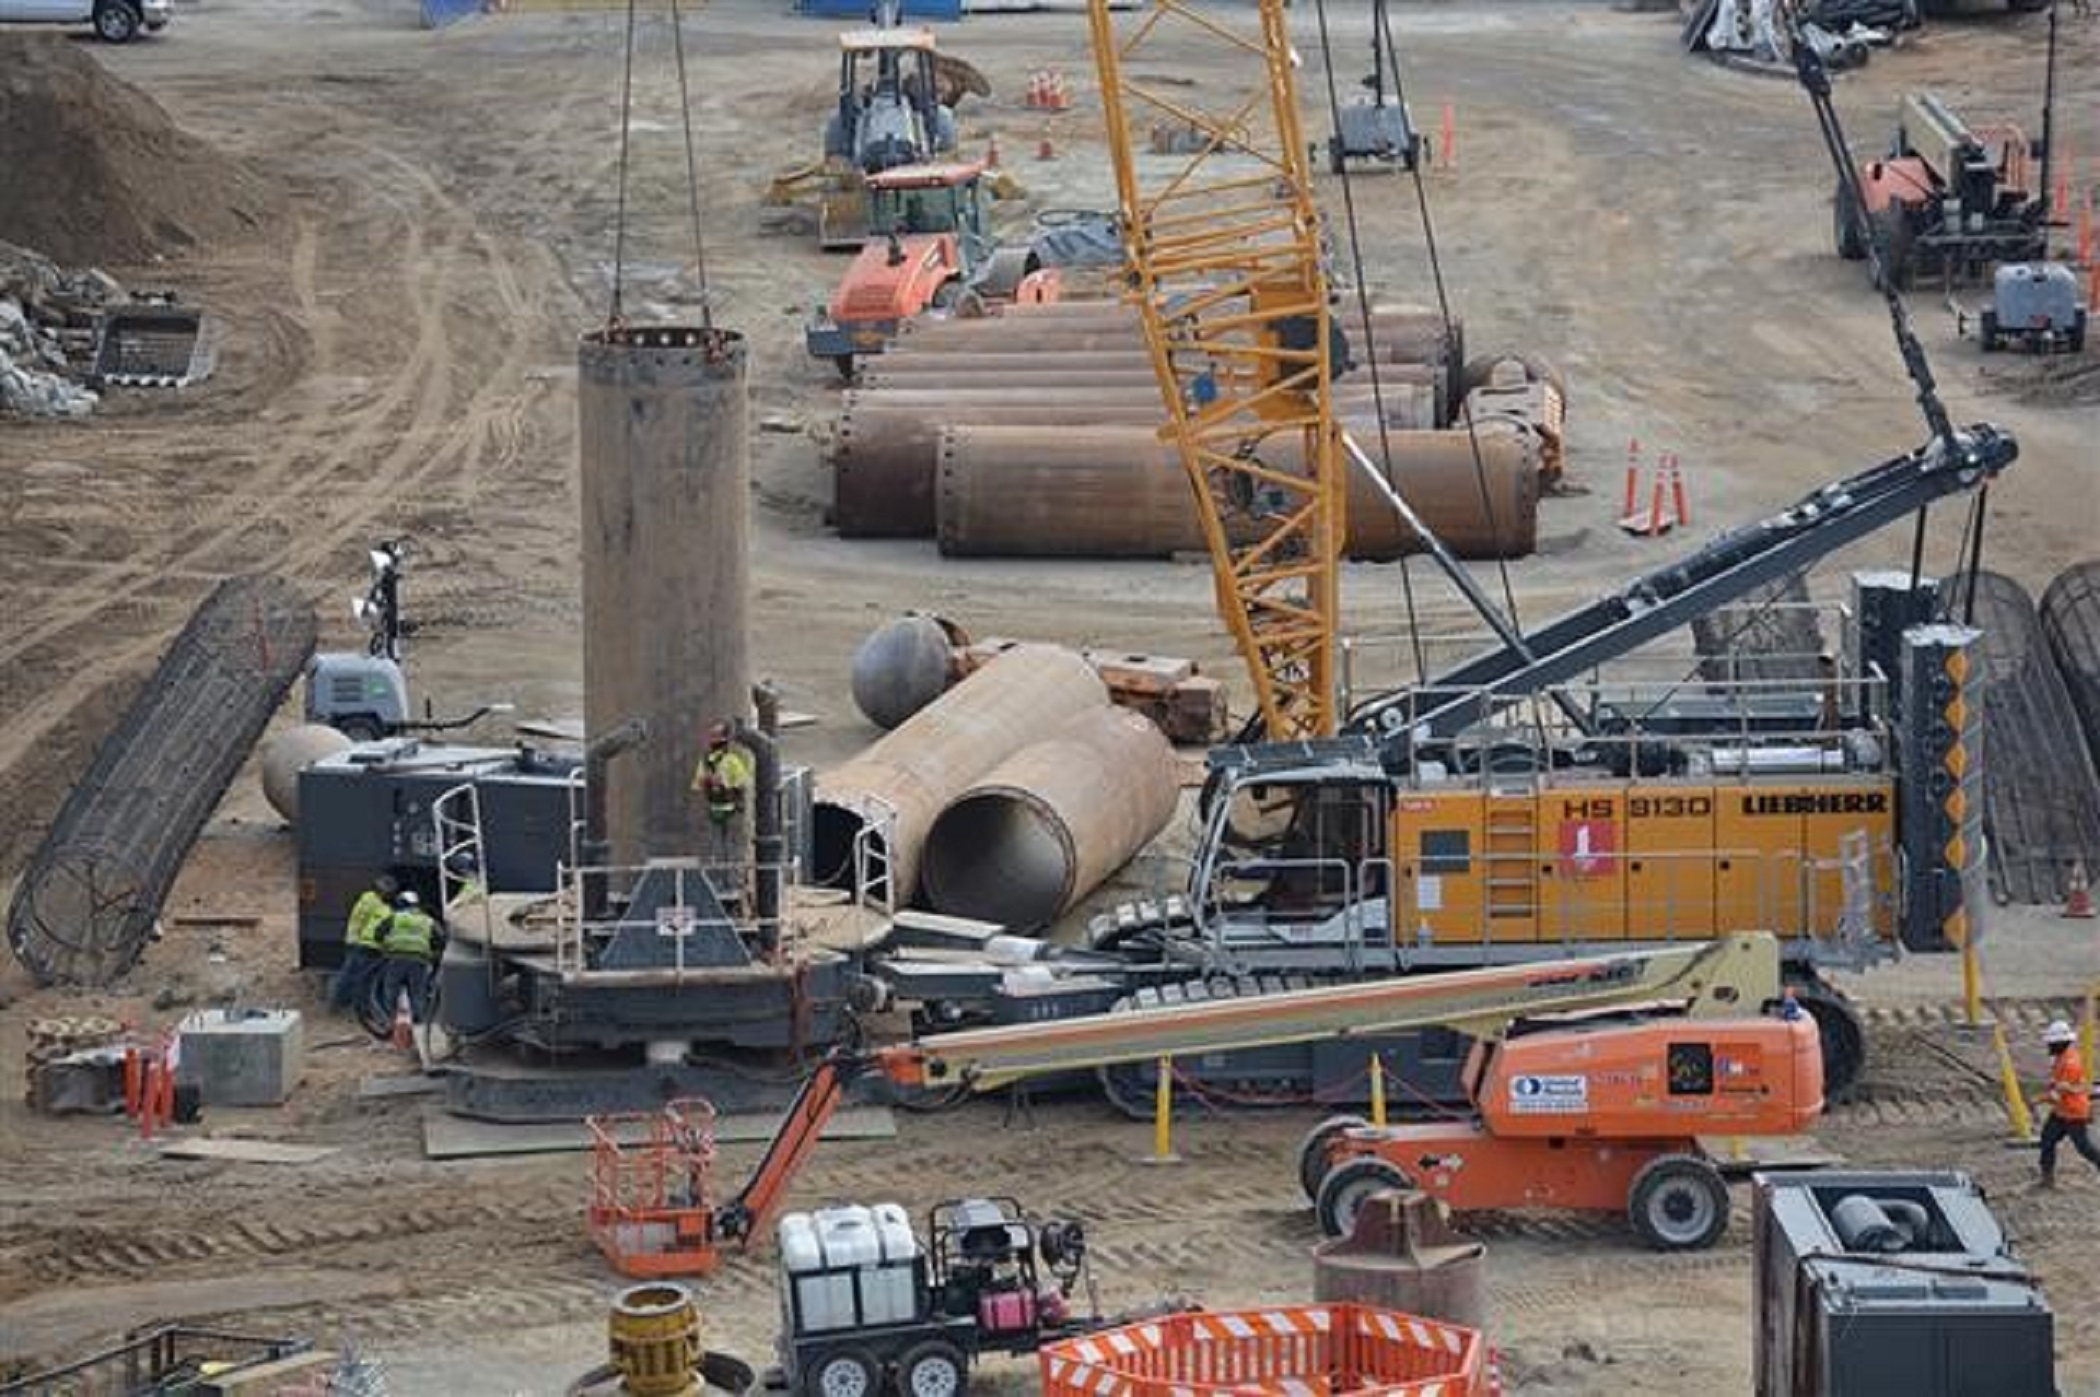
point(1011, 382)
point(1119, 492)
point(665, 483)
point(1049, 824)
point(908, 777)
point(886, 453)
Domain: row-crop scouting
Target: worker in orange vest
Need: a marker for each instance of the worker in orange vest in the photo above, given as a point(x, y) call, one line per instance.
point(2070, 1101)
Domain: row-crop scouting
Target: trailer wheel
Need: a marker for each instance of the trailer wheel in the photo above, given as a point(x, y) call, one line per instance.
point(935, 1368)
point(1679, 1202)
point(842, 1372)
point(1312, 1153)
point(1346, 1189)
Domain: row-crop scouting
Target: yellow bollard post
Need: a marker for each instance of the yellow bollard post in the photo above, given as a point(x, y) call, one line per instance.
point(1971, 985)
point(2085, 1028)
point(1377, 1091)
point(1163, 1116)
point(2009, 1081)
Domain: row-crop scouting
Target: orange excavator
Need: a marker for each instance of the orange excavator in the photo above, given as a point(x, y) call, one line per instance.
point(1592, 1082)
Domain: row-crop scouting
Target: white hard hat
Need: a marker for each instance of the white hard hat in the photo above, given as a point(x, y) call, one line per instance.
point(2059, 1032)
point(409, 899)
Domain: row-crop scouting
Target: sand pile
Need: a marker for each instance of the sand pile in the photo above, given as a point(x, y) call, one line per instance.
point(97, 171)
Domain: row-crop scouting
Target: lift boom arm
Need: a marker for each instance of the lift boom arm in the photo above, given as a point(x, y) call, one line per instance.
point(1732, 975)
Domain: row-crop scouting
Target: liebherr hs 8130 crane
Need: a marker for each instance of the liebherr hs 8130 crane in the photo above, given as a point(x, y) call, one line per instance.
point(1521, 805)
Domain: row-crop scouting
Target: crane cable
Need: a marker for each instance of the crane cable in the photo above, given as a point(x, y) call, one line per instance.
point(615, 314)
point(1443, 298)
point(1363, 307)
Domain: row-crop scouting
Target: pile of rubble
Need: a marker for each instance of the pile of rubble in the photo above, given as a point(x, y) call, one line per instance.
point(48, 322)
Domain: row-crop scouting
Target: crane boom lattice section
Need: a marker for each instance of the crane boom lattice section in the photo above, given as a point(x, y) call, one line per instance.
point(1224, 259)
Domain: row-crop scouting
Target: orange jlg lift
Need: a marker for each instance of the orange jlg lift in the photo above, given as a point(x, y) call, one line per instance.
point(1591, 1083)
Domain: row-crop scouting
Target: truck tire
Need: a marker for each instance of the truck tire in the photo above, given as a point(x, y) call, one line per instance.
point(842, 1372)
point(1892, 229)
point(1844, 220)
point(935, 1368)
point(2076, 341)
point(116, 21)
point(360, 728)
point(1987, 331)
point(1347, 1188)
point(1312, 1152)
point(1679, 1202)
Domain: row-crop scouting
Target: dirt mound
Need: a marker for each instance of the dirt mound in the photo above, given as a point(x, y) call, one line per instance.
point(97, 171)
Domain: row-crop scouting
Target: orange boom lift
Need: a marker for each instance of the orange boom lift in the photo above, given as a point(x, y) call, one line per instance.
point(1592, 1081)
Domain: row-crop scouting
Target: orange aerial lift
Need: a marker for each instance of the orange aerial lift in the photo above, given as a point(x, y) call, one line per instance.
point(1593, 1080)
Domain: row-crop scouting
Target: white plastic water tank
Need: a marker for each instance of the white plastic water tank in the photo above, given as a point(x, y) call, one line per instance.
point(800, 1254)
point(897, 1288)
point(850, 1241)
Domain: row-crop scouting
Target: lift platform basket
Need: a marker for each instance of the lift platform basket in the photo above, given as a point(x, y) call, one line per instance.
point(1300, 1350)
point(651, 1209)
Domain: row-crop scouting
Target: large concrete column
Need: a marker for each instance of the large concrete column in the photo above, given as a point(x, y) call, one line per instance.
point(665, 486)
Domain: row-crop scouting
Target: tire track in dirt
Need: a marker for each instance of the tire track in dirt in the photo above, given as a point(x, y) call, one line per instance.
point(458, 443)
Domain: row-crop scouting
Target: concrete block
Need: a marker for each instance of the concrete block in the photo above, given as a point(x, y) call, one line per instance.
point(242, 1057)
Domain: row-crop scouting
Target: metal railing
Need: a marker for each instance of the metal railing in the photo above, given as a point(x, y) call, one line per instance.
point(874, 884)
point(1842, 907)
point(678, 920)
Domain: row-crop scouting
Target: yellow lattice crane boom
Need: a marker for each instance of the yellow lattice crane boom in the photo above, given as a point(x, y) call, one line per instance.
point(1224, 258)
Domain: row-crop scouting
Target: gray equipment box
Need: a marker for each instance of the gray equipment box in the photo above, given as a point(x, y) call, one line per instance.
point(1891, 1284)
point(2036, 304)
point(366, 811)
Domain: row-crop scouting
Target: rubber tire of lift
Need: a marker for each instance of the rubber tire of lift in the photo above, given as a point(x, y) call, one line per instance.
point(1668, 1176)
point(848, 1361)
point(1843, 1036)
point(1346, 1187)
point(1845, 225)
point(1312, 1151)
point(938, 1360)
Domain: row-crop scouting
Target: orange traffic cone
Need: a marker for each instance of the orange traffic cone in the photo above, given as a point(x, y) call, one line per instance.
point(2078, 894)
point(404, 1023)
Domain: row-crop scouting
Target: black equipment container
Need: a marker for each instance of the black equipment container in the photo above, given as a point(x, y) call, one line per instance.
point(1890, 1284)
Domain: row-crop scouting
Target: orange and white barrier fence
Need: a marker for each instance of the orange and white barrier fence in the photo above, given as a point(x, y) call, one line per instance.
point(1289, 1351)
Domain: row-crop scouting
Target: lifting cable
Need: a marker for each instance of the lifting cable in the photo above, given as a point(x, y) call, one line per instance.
point(1381, 35)
point(1363, 310)
point(615, 314)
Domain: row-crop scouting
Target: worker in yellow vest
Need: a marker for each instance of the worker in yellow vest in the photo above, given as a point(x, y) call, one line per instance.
point(725, 776)
point(361, 942)
point(411, 941)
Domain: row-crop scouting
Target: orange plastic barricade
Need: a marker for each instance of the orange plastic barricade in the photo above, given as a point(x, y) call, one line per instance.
point(652, 1209)
point(1288, 1351)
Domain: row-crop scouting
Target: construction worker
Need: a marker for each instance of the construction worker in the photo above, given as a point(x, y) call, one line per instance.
point(725, 776)
point(411, 941)
point(361, 942)
point(2070, 1101)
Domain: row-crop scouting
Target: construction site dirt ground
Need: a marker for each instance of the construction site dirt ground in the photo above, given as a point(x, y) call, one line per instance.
point(398, 359)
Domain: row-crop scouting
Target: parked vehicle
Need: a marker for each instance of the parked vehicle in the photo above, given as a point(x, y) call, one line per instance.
point(116, 21)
